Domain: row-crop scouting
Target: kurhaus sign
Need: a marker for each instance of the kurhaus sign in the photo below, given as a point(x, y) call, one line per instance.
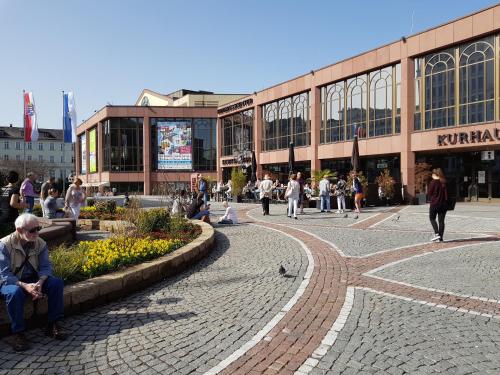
point(473, 136)
point(235, 161)
point(232, 107)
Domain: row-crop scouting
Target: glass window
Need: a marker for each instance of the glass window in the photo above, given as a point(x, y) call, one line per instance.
point(30, 145)
point(477, 80)
point(123, 145)
point(6, 145)
point(51, 159)
point(6, 157)
point(380, 102)
point(51, 146)
point(285, 121)
point(18, 145)
point(40, 146)
point(62, 146)
point(40, 158)
point(439, 90)
point(18, 157)
point(333, 126)
point(356, 107)
point(237, 132)
point(29, 157)
point(204, 147)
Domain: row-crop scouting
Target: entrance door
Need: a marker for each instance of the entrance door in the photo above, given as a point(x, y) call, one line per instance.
point(481, 175)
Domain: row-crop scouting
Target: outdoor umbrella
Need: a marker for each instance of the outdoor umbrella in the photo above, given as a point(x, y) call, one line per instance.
point(291, 159)
point(355, 152)
point(253, 176)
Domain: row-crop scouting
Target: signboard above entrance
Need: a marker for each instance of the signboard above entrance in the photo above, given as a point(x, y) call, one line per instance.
point(473, 136)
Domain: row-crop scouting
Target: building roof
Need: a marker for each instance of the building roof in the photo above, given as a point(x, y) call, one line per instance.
point(12, 132)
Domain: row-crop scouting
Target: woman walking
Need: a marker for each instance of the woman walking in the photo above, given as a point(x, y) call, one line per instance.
point(438, 196)
point(293, 195)
point(358, 191)
point(340, 194)
point(75, 198)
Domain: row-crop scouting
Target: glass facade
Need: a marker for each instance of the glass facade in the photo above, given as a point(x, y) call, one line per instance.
point(204, 146)
point(285, 121)
point(122, 144)
point(237, 132)
point(456, 86)
point(368, 104)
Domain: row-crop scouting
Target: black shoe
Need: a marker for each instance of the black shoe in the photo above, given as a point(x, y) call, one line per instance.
point(322, 211)
point(296, 218)
point(19, 342)
point(54, 331)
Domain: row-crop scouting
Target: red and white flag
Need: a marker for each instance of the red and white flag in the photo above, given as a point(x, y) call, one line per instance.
point(30, 122)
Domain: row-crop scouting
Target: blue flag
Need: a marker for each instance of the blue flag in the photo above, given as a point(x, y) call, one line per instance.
point(69, 117)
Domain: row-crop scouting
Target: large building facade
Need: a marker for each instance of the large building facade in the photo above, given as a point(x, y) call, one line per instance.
point(432, 97)
point(49, 156)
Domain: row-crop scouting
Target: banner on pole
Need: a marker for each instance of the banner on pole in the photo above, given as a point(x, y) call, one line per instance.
point(30, 121)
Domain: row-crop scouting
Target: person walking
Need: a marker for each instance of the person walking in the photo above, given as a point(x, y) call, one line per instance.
point(293, 195)
point(324, 194)
point(438, 195)
point(301, 182)
point(266, 190)
point(358, 191)
point(28, 191)
point(75, 198)
point(10, 201)
point(340, 194)
point(203, 188)
point(44, 192)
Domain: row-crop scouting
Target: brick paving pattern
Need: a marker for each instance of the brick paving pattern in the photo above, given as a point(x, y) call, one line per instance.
point(418, 307)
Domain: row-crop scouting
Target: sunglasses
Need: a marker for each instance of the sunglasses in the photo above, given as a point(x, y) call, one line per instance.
point(35, 229)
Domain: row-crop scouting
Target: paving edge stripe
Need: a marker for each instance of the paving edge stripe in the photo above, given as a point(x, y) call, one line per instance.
point(277, 318)
point(331, 336)
point(430, 304)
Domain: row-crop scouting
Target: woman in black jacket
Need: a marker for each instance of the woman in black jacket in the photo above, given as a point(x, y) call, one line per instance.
point(438, 196)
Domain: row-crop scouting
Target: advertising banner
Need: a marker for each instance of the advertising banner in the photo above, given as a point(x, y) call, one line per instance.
point(83, 154)
point(92, 151)
point(174, 145)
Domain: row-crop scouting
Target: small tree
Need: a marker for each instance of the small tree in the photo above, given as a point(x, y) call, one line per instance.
point(422, 176)
point(238, 181)
point(386, 182)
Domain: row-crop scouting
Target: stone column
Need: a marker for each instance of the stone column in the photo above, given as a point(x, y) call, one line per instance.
point(257, 137)
point(146, 155)
point(315, 105)
point(407, 115)
point(218, 137)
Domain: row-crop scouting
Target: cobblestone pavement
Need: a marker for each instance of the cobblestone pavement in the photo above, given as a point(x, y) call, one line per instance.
point(183, 325)
point(363, 294)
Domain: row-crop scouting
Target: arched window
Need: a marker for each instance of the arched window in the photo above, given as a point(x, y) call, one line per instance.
point(380, 102)
point(270, 116)
point(301, 119)
point(334, 126)
point(285, 120)
point(477, 82)
point(439, 90)
point(356, 106)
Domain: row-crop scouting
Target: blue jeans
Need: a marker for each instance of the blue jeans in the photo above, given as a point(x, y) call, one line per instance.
point(325, 202)
point(200, 214)
point(31, 203)
point(14, 297)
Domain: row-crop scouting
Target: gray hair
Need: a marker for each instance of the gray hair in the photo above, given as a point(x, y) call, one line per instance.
point(30, 174)
point(24, 219)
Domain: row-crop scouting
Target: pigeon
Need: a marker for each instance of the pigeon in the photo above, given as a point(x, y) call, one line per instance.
point(282, 271)
point(396, 218)
point(346, 216)
point(355, 217)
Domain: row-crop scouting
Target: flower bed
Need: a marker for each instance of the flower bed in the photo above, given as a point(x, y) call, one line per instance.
point(93, 212)
point(155, 234)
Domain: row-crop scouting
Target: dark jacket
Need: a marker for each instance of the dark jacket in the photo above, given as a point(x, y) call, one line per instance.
point(194, 208)
point(437, 193)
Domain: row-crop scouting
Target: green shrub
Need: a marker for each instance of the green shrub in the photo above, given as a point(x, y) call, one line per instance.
point(155, 220)
point(105, 207)
point(37, 210)
point(67, 263)
point(90, 202)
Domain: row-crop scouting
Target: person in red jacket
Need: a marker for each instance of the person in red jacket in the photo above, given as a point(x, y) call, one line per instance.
point(438, 196)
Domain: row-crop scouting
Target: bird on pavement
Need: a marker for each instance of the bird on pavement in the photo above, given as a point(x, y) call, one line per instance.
point(282, 271)
point(396, 218)
point(346, 216)
point(355, 217)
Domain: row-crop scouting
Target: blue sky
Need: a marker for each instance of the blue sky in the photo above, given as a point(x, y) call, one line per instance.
point(109, 50)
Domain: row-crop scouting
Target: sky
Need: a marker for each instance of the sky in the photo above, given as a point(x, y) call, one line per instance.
point(108, 51)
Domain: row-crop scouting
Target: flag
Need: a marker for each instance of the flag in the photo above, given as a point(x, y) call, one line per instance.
point(30, 122)
point(69, 117)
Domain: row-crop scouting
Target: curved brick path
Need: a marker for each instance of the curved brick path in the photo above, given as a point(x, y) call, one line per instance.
point(297, 343)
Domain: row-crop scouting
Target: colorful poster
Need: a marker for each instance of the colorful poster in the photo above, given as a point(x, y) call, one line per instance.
point(83, 154)
point(174, 145)
point(92, 151)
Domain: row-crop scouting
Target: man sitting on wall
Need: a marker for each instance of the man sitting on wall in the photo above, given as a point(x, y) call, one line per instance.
point(197, 209)
point(25, 270)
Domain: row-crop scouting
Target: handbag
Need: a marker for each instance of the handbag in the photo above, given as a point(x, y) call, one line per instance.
point(288, 193)
point(450, 204)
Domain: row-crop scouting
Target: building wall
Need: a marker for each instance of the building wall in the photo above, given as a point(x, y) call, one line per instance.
point(408, 141)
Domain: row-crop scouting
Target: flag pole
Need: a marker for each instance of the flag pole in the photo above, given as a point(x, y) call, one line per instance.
point(64, 149)
point(24, 140)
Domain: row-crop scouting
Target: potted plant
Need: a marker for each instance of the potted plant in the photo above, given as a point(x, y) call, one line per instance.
point(422, 176)
point(385, 184)
point(238, 181)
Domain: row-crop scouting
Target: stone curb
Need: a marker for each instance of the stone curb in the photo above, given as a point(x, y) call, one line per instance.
point(93, 292)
